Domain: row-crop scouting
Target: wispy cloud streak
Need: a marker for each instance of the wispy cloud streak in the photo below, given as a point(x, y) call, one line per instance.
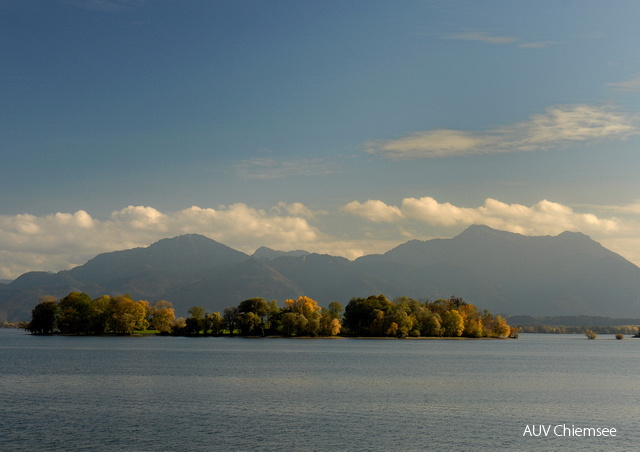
point(628, 86)
point(487, 38)
point(270, 168)
point(481, 37)
point(558, 126)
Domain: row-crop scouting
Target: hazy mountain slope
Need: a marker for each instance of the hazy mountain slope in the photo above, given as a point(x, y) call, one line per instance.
point(568, 274)
point(217, 290)
point(562, 275)
point(145, 273)
point(187, 254)
point(433, 281)
point(22, 294)
point(329, 278)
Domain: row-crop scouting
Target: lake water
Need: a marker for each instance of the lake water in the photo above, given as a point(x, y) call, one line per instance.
point(235, 394)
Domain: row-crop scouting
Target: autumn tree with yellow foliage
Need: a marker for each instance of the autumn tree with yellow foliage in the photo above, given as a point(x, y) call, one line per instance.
point(405, 317)
point(374, 316)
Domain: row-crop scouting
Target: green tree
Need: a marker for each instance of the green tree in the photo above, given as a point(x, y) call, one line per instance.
point(431, 325)
point(44, 317)
point(178, 326)
point(217, 323)
point(192, 326)
point(273, 317)
point(249, 323)
point(75, 311)
point(293, 323)
point(456, 302)
point(252, 315)
point(230, 317)
point(101, 314)
point(329, 325)
point(439, 306)
point(197, 322)
point(205, 324)
point(197, 312)
point(404, 321)
point(335, 310)
point(358, 314)
point(258, 306)
point(309, 310)
point(377, 326)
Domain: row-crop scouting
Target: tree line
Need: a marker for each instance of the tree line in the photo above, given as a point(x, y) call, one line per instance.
point(77, 313)
point(378, 316)
point(375, 316)
point(560, 329)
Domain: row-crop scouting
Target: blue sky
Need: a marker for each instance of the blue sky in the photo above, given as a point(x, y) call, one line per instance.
point(342, 127)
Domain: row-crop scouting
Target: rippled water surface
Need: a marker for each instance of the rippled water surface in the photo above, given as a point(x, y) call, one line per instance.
point(193, 394)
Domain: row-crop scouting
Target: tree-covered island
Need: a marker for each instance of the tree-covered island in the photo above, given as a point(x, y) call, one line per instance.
point(375, 316)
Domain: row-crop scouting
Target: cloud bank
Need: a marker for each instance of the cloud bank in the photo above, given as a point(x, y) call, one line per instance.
point(542, 218)
point(63, 240)
point(558, 126)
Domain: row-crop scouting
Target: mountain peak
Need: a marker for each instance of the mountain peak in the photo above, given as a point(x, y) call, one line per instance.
point(185, 253)
point(575, 236)
point(268, 254)
point(184, 240)
point(477, 231)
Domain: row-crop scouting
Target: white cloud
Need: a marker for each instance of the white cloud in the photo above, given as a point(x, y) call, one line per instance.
point(63, 240)
point(375, 211)
point(559, 126)
point(542, 218)
point(140, 217)
point(296, 209)
point(244, 227)
point(628, 86)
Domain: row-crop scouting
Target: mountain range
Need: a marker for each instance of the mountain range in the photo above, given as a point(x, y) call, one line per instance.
point(507, 273)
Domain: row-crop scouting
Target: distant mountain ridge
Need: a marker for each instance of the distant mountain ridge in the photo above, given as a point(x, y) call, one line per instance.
point(185, 254)
point(267, 253)
point(567, 274)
